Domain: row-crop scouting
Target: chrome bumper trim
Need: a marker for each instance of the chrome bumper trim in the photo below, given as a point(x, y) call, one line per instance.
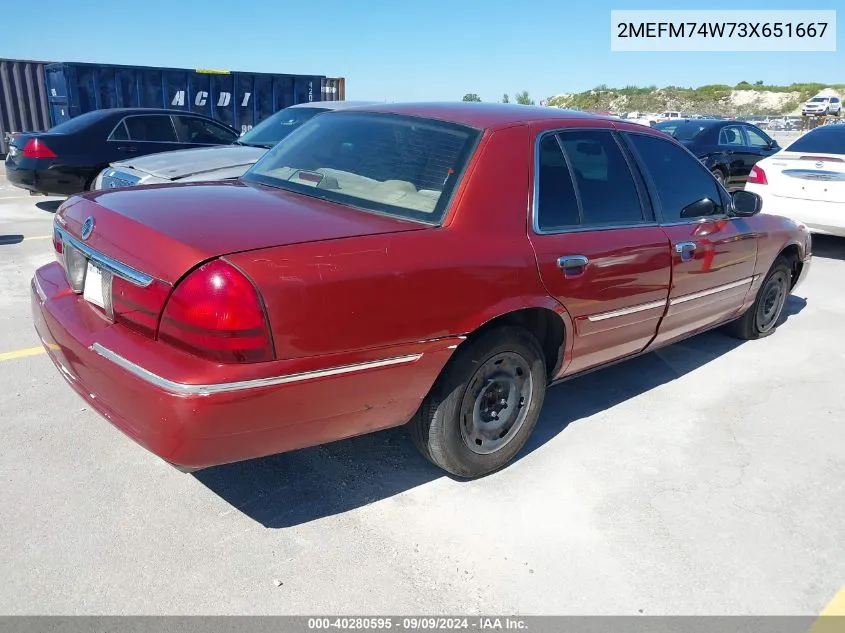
point(181, 388)
point(103, 261)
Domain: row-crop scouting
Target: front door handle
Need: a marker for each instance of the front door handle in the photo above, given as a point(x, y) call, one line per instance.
point(572, 265)
point(686, 250)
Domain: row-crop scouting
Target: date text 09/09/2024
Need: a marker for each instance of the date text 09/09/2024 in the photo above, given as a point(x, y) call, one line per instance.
point(479, 623)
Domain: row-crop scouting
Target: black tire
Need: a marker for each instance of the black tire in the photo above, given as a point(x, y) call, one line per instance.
point(485, 373)
point(719, 175)
point(762, 318)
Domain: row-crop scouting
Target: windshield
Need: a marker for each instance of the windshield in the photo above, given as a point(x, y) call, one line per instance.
point(823, 140)
point(401, 166)
point(818, 99)
point(683, 131)
point(274, 128)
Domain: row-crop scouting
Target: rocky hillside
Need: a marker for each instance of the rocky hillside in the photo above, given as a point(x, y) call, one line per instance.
point(741, 99)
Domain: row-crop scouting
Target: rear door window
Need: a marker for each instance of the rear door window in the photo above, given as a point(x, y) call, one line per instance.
point(157, 128)
point(678, 177)
point(199, 131)
point(731, 135)
point(120, 132)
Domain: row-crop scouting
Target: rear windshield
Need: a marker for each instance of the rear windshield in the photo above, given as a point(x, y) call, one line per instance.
point(683, 131)
point(273, 129)
point(77, 123)
point(829, 139)
point(386, 163)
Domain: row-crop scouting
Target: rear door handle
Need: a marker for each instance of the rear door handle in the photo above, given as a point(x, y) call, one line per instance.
point(686, 250)
point(573, 265)
point(128, 149)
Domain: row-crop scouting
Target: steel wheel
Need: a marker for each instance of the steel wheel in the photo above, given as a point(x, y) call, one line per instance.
point(772, 299)
point(495, 403)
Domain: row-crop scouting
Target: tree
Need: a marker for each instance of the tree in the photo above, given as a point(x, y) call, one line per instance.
point(522, 98)
point(506, 98)
point(471, 96)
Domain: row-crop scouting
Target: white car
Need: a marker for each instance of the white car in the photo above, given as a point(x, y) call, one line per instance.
point(822, 105)
point(806, 180)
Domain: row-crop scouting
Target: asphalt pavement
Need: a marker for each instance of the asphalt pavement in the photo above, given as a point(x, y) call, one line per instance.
point(707, 478)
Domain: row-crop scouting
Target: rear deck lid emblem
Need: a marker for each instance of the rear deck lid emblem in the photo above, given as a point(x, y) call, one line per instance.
point(87, 227)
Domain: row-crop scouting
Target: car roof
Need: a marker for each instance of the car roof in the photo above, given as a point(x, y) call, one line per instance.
point(333, 105)
point(107, 112)
point(481, 115)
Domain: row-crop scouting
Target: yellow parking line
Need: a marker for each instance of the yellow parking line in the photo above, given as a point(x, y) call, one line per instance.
point(38, 237)
point(15, 198)
point(827, 624)
point(837, 605)
point(22, 353)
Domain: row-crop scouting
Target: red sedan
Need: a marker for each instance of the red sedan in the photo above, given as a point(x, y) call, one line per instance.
point(437, 264)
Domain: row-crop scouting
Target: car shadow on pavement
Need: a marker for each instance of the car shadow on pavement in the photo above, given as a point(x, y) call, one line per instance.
point(50, 206)
point(301, 486)
point(10, 239)
point(829, 247)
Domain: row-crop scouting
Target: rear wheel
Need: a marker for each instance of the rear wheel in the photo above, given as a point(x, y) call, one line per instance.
point(484, 405)
point(762, 318)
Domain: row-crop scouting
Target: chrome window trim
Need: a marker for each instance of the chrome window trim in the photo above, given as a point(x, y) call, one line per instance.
point(181, 388)
point(105, 262)
point(535, 186)
point(626, 311)
point(712, 291)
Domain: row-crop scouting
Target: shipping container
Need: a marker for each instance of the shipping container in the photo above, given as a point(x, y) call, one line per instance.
point(239, 99)
point(23, 98)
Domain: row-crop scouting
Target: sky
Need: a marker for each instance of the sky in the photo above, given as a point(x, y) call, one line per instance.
point(399, 50)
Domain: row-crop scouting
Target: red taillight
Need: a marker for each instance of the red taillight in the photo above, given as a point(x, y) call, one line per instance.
point(36, 148)
point(757, 176)
point(57, 243)
point(138, 307)
point(216, 312)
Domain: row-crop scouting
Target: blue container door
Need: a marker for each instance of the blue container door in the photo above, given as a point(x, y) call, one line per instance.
point(57, 94)
point(176, 90)
point(245, 107)
point(151, 89)
point(108, 88)
point(223, 97)
point(200, 91)
point(86, 91)
point(308, 89)
point(283, 92)
point(127, 87)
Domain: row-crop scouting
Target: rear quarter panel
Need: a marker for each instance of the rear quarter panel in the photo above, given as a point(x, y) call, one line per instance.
point(383, 291)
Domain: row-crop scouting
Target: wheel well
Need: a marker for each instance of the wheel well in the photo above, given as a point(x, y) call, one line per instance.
point(543, 323)
point(793, 256)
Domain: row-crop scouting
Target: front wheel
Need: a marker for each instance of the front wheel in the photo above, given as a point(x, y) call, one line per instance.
point(484, 405)
point(762, 317)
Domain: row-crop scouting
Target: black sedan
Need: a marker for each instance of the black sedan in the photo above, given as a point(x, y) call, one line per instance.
point(727, 148)
point(67, 158)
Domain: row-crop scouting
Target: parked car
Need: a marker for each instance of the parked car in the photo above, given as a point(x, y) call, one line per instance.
point(729, 149)
point(67, 158)
point(221, 162)
point(806, 181)
point(669, 115)
point(821, 105)
point(433, 263)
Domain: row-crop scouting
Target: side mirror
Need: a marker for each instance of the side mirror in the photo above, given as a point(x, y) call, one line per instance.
point(744, 204)
point(699, 209)
point(773, 144)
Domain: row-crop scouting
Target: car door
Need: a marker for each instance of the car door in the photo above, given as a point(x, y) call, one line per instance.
point(151, 133)
point(732, 144)
point(713, 254)
point(198, 131)
point(599, 250)
point(759, 145)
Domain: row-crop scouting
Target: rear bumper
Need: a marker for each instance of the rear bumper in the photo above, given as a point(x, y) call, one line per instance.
point(56, 181)
point(163, 399)
point(827, 218)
